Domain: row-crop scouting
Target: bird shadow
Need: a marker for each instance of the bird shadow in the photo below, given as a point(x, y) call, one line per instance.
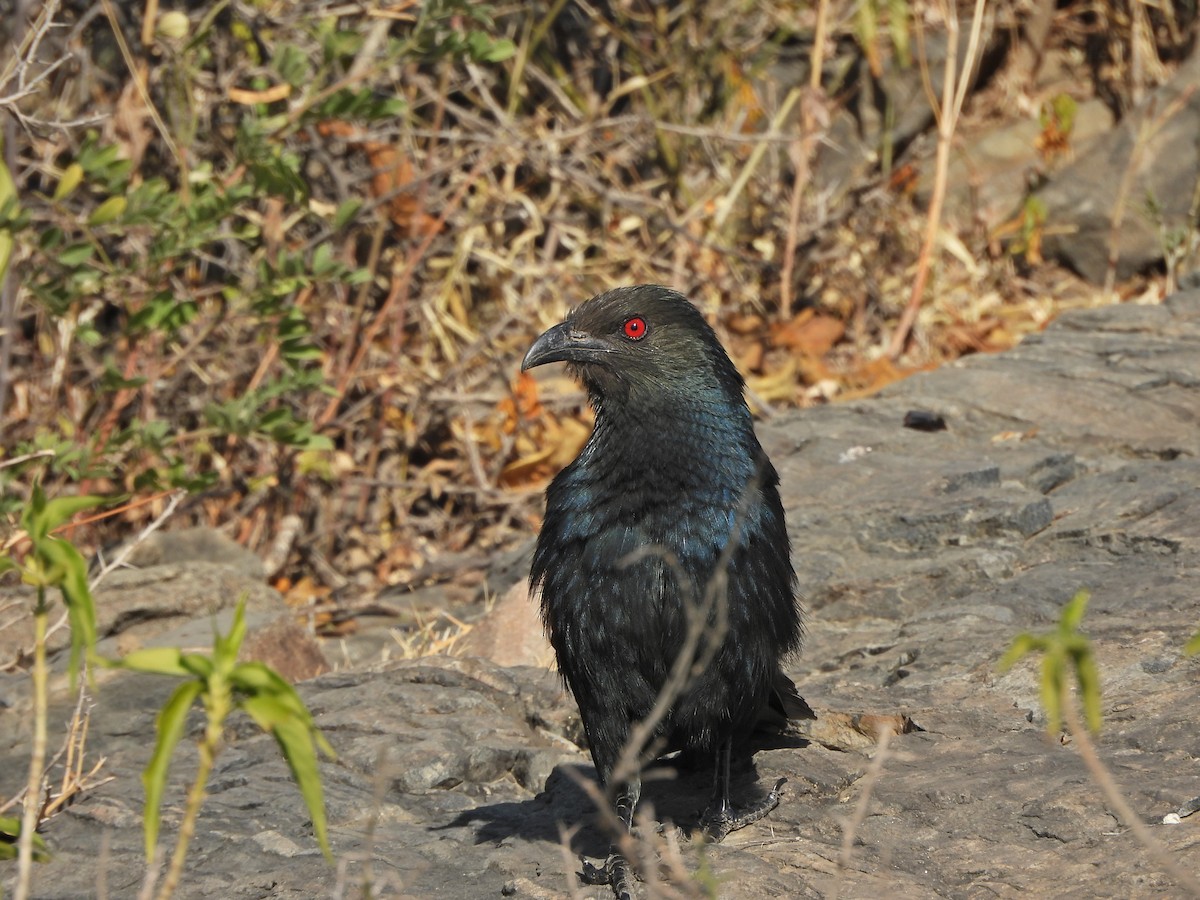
point(675, 789)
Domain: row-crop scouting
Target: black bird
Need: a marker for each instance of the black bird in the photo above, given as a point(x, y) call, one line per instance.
point(671, 507)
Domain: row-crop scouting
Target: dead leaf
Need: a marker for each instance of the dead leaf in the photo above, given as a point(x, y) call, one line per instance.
point(855, 731)
point(745, 323)
point(391, 179)
point(779, 385)
point(303, 593)
point(129, 125)
point(269, 95)
point(809, 332)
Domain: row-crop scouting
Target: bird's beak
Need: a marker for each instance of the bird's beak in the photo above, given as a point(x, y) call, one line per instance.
point(560, 344)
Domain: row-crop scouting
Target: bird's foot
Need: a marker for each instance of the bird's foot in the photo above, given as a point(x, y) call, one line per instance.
point(616, 871)
point(718, 823)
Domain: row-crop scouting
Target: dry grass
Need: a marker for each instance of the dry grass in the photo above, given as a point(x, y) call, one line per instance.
point(69, 773)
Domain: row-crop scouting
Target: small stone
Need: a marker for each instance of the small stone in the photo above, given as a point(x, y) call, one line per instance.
point(1157, 666)
point(1190, 807)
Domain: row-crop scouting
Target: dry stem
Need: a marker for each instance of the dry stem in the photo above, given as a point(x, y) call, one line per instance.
point(1112, 793)
point(37, 755)
point(954, 92)
point(874, 772)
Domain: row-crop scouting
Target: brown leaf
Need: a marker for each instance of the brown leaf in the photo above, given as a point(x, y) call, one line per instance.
point(391, 179)
point(871, 377)
point(809, 332)
point(855, 731)
point(777, 385)
point(129, 125)
point(558, 444)
point(303, 593)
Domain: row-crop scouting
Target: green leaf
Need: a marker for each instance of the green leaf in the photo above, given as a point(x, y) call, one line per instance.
point(75, 255)
point(898, 30)
point(8, 187)
point(76, 594)
point(108, 211)
point(1072, 614)
point(345, 213)
point(484, 48)
point(10, 833)
point(226, 647)
point(300, 351)
point(171, 719)
point(1193, 646)
point(258, 679)
point(1052, 689)
point(1021, 645)
point(295, 740)
point(1089, 686)
point(198, 664)
point(1064, 647)
point(71, 177)
point(112, 380)
point(155, 660)
point(323, 260)
point(44, 516)
point(292, 64)
point(8, 195)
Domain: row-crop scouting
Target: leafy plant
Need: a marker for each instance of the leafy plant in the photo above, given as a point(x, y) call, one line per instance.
point(1065, 650)
point(213, 220)
point(222, 685)
point(50, 563)
point(10, 832)
point(439, 32)
point(10, 213)
point(866, 31)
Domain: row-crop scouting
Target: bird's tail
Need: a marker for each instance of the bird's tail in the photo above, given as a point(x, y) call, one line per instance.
point(784, 705)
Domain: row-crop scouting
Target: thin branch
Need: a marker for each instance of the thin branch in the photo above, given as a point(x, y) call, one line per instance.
point(850, 830)
point(176, 498)
point(1112, 793)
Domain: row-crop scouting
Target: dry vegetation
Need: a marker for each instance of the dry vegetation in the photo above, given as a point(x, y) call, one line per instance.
point(288, 255)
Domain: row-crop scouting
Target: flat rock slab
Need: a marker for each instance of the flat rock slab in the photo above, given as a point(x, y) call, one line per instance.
point(1072, 461)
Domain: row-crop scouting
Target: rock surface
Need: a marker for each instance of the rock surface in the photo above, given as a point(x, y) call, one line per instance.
point(169, 591)
point(1072, 461)
point(1142, 175)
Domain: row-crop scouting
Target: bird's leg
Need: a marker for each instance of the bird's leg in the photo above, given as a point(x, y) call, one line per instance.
point(616, 870)
point(627, 800)
point(721, 818)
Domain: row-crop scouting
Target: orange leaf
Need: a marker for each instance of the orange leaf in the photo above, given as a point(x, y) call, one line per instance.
point(809, 333)
point(522, 405)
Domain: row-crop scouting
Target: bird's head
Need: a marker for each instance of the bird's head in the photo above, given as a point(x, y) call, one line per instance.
point(645, 341)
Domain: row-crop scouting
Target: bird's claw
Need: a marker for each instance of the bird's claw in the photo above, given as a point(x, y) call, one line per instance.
point(616, 871)
point(718, 824)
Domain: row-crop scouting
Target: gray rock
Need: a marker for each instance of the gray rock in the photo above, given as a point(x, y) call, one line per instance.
point(174, 589)
point(189, 545)
point(1151, 158)
point(1072, 461)
point(991, 171)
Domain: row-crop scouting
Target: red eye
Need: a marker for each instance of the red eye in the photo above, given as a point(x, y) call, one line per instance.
point(635, 328)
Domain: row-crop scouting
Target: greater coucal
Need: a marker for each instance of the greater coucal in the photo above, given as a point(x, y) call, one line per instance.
point(670, 516)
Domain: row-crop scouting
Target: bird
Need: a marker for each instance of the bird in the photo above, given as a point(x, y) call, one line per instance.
point(663, 562)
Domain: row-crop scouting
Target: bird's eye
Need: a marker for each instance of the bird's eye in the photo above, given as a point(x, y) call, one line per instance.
point(635, 328)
